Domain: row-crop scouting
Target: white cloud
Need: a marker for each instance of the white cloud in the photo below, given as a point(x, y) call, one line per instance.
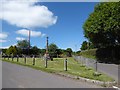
point(1, 41)
point(3, 35)
point(20, 38)
point(6, 47)
point(43, 35)
point(2, 47)
point(25, 32)
point(26, 14)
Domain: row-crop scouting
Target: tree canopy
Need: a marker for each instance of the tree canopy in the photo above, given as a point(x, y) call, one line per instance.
point(53, 49)
point(84, 45)
point(69, 52)
point(12, 50)
point(87, 45)
point(24, 44)
point(35, 50)
point(102, 27)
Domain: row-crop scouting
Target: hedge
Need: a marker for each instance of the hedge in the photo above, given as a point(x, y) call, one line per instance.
point(109, 54)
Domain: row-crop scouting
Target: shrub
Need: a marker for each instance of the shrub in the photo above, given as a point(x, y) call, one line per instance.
point(109, 54)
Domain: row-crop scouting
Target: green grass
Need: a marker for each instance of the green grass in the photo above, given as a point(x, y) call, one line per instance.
point(57, 66)
point(89, 53)
point(89, 56)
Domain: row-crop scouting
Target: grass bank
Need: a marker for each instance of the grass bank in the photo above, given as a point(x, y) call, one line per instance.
point(57, 66)
point(89, 53)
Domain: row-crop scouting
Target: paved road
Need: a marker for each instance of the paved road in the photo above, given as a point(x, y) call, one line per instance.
point(109, 69)
point(16, 76)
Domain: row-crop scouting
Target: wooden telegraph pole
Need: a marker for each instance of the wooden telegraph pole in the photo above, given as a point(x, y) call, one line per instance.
point(46, 54)
point(47, 46)
point(29, 44)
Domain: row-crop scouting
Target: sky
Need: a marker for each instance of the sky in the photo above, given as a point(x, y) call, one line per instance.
point(62, 22)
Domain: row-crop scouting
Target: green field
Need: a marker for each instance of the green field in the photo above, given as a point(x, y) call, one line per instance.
point(57, 66)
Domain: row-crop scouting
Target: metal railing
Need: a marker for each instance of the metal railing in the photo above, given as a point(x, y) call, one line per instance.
point(91, 63)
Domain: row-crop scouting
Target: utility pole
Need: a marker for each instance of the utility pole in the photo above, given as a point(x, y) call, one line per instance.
point(46, 54)
point(75, 49)
point(47, 45)
point(29, 43)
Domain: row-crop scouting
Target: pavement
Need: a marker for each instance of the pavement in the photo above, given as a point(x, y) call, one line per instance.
point(111, 70)
point(16, 76)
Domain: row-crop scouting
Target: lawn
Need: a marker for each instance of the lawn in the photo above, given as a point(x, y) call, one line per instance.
point(57, 66)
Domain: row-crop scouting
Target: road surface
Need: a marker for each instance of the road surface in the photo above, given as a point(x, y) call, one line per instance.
point(16, 76)
point(109, 69)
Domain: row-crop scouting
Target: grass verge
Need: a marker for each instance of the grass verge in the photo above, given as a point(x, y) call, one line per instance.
point(57, 66)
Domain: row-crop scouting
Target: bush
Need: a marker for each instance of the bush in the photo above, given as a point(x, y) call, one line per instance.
point(109, 54)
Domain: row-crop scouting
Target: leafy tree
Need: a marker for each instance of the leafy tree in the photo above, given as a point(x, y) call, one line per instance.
point(91, 45)
point(53, 50)
point(87, 45)
point(102, 28)
point(42, 51)
point(15, 50)
point(84, 45)
point(24, 44)
point(12, 50)
point(4, 51)
point(9, 50)
point(69, 52)
point(23, 47)
point(78, 52)
point(59, 52)
point(35, 50)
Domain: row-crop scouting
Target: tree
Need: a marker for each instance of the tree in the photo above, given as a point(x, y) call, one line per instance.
point(42, 51)
point(53, 50)
point(4, 51)
point(23, 47)
point(59, 52)
point(15, 50)
point(12, 50)
point(84, 45)
point(87, 45)
point(9, 50)
point(34, 50)
point(69, 52)
point(102, 28)
point(91, 45)
point(24, 44)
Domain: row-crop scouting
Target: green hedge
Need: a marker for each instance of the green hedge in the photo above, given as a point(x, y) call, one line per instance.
point(109, 54)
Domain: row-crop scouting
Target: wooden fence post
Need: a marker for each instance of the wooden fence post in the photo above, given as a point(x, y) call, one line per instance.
point(65, 64)
point(33, 60)
point(12, 58)
point(24, 59)
point(17, 58)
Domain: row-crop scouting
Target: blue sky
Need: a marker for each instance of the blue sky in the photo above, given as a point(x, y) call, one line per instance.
point(65, 32)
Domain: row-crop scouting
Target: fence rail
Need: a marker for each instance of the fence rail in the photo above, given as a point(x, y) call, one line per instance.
point(86, 61)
